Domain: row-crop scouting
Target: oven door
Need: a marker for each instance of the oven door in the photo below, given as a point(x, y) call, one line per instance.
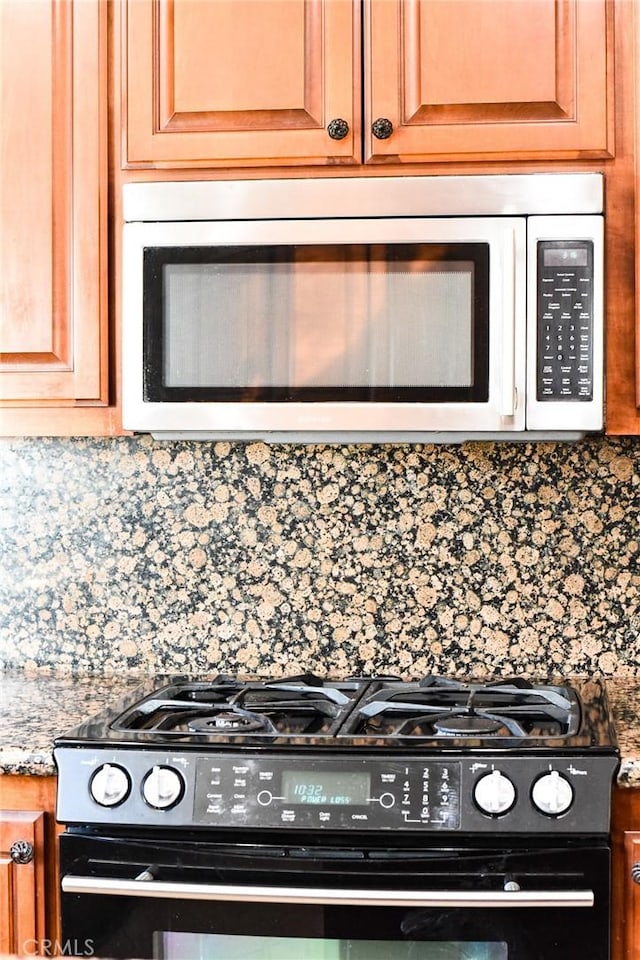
point(182, 899)
point(318, 329)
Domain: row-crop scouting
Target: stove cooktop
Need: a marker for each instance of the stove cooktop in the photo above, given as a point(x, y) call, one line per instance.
point(314, 753)
point(377, 712)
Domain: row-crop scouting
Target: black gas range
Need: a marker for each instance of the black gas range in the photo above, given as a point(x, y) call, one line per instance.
point(317, 753)
point(338, 795)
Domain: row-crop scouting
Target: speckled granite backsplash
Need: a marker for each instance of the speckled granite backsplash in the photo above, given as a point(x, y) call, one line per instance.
point(138, 556)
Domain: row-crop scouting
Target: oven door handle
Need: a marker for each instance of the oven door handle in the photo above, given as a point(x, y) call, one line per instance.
point(325, 896)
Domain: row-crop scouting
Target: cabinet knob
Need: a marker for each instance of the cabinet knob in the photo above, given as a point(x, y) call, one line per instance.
point(382, 128)
point(635, 872)
point(21, 851)
point(338, 129)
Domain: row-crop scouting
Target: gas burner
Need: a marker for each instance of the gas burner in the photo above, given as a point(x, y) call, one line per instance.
point(232, 720)
point(467, 726)
point(440, 707)
point(304, 705)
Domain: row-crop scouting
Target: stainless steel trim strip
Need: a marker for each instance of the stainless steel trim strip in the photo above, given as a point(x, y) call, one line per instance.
point(380, 898)
point(476, 195)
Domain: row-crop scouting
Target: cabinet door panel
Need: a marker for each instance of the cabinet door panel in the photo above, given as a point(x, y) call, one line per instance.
point(22, 884)
point(6, 906)
point(53, 201)
point(248, 81)
point(636, 24)
point(623, 223)
point(632, 906)
point(488, 77)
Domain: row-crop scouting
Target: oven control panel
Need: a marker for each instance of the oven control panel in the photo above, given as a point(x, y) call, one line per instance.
point(481, 793)
point(335, 793)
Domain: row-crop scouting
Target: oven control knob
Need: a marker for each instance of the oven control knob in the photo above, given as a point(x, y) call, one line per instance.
point(552, 794)
point(494, 793)
point(110, 785)
point(162, 787)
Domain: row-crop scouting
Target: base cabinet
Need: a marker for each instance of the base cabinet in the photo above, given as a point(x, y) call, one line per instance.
point(29, 900)
point(22, 882)
point(625, 940)
point(632, 895)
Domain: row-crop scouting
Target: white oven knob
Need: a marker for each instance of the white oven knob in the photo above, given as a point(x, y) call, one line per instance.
point(552, 794)
point(494, 793)
point(162, 787)
point(110, 785)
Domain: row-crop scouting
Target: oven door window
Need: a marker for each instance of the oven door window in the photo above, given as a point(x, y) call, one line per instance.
point(177, 946)
point(395, 322)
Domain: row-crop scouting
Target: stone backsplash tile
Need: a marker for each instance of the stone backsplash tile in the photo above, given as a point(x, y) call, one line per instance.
point(131, 555)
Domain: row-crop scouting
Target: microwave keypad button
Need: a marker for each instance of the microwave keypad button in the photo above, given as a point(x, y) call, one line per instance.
point(564, 320)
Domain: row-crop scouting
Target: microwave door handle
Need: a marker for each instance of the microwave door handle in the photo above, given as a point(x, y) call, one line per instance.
point(335, 897)
point(507, 407)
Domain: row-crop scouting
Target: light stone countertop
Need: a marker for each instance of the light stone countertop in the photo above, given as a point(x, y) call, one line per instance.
point(35, 708)
point(624, 696)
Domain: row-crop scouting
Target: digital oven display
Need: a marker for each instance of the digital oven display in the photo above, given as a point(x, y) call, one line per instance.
point(325, 787)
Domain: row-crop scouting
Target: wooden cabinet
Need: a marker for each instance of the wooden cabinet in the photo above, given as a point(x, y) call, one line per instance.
point(53, 216)
point(28, 866)
point(636, 377)
point(488, 78)
point(623, 236)
point(235, 82)
point(231, 83)
point(632, 895)
point(21, 881)
point(160, 87)
point(625, 941)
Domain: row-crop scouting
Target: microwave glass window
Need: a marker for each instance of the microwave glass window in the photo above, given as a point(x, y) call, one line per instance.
point(176, 946)
point(394, 321)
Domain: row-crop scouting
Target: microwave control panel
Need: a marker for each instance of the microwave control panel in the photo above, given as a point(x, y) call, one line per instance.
point(565, 320)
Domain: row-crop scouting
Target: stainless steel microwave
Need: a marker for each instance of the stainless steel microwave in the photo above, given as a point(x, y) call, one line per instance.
point(364, 309)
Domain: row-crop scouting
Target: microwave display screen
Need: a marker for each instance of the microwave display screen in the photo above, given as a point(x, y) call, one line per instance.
point(566, 256)
point(387, 322)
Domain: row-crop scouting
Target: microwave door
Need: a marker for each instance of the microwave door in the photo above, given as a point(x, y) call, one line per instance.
point(327, 329)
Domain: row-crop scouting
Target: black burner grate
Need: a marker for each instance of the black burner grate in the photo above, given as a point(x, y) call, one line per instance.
point(382, 707)
point(439, 707)
point(295, 706)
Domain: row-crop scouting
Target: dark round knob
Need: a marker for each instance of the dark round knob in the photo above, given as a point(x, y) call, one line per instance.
point(382, 128)
point(338, 129)
point(635, 872)
point(21, 851)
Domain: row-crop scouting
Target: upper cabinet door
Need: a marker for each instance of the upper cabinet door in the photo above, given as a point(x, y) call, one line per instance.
point(241, 82)
point(489, 79)
point(53, 202)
